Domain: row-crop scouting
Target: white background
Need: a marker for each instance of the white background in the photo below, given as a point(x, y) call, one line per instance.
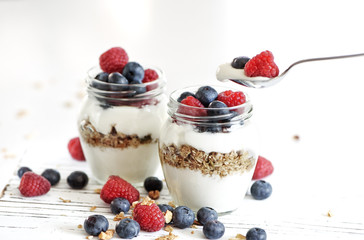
point(47, 46)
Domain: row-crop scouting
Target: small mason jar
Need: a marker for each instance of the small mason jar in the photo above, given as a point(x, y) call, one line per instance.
point(208, 160)
point(119, 126)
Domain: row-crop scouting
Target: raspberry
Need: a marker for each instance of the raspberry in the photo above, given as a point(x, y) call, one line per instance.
point(196, 109)
point(262, 65)
point(231, 98)
point(149, 76)
point(31, 184)
point(116, 187)
point(113, 60)
point(148, 215)
point(263, 168)
point(75, 149)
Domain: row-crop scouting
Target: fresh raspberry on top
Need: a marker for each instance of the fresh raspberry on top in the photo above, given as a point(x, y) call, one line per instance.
point(262, 65)
point(113, 60)
point(150, 75)
point(196, 108)
point(116, 187)
point(148, 215)
point(231, 98)
point(32, 184)
point(263, 168)
point(75, 149)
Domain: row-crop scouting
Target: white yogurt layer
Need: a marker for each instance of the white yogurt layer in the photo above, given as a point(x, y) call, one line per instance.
point(192, 189)
point(132, 164)
point(209, 142)
point(226, 71)
point(126, 119)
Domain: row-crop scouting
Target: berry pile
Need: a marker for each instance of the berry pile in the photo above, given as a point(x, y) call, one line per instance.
point(261, 65)
point(32, 184)
point(122, 78)
point(147, 216)
point(207, 102)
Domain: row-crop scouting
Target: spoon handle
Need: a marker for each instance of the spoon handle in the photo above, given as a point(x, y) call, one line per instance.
point(321, 59)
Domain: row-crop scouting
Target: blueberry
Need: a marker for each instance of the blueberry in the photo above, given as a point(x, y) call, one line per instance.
point(261, 190)
point(152, 184)
point(184, 95)
point(165, 207)
point(217, 108)
point(133, 71)
point(52, 176)
point(102, 76)
point(206, 214)
point(213, 229)
point(239, 62)
point(183, 217)
point(256, 234)
point(101, 81)
point(77, 180)
point(206, 94)
point(119, 205)
point(116, 78)
point(127, 228)
point(137, 87)
point(95, 224)
point(23, 170)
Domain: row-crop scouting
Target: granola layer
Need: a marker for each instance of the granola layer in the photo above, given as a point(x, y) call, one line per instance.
point(213, 163)
point(113, 139)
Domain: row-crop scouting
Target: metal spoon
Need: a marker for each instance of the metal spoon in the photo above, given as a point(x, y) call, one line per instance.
point(237, 75)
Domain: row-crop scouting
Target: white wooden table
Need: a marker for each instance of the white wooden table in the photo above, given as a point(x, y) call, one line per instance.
point(50, 216)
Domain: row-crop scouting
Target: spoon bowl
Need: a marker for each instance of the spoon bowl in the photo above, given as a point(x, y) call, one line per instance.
point(263, 82)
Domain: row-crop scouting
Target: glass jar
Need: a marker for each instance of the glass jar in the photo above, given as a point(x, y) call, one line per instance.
point(119, 127)
point(208, 160)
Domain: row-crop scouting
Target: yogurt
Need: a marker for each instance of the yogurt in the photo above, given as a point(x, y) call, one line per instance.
point(225, 72)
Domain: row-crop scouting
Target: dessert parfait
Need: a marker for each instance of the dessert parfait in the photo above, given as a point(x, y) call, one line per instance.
point(121, 116)
point(208, 147)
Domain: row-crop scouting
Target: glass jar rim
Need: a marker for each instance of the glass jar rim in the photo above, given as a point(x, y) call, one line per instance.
point(236, 114)
point(124, 95)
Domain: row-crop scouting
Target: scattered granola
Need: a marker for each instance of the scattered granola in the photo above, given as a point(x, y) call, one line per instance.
point(172, 204)
point(213, 163)
point(154, 194)
point(97, 190)
point(89, 237)
point(67, 104)
point(92, 208)
point(238, 237)
point(168, 216)
point(64, 200)
point(296, 137)
point(170, 236)
point(107, 235)
point(119, 217)
point(192, 232)
point(168, 229)
point(329, 213)
point(21, 113)
point(79, 226)
point(113, 139)
point(194, 226)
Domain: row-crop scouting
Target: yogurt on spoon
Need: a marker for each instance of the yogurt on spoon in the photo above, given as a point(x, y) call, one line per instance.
point(246, 71)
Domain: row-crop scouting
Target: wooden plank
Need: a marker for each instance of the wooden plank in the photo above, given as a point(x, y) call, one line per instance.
point(47, 215)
